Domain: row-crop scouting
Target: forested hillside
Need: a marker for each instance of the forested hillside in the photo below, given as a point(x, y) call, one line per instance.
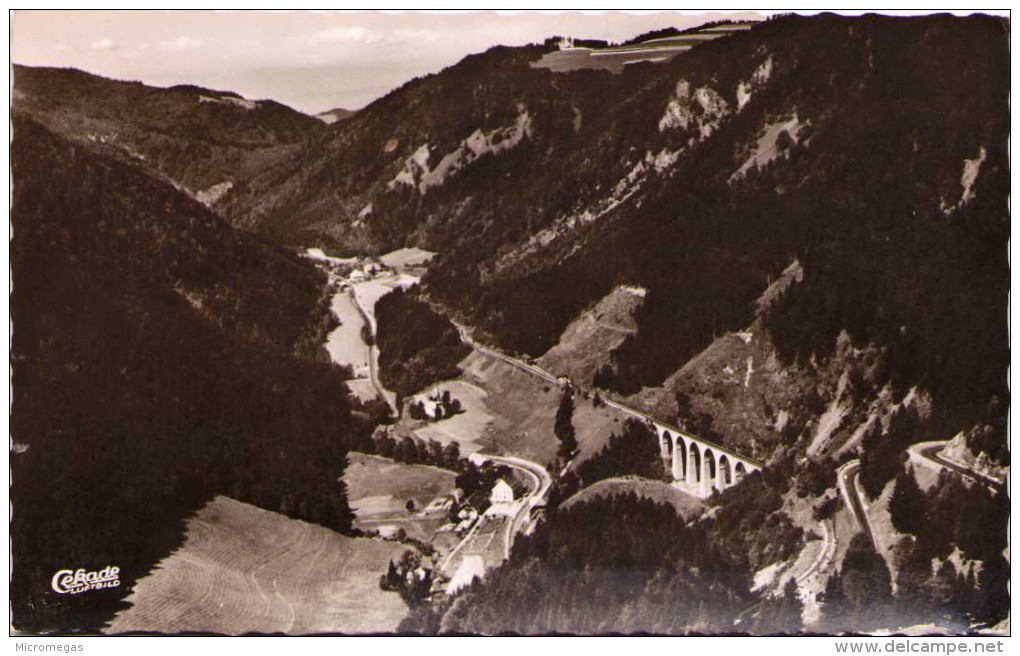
point(870, 150)
point(810, 217)
point(623, 564)
point(202, 140)
point(417, 347)
point(159, 358)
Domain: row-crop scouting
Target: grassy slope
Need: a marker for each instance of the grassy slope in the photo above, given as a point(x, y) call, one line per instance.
point(524, 408)
point(370, 477)
point(466, 428)
point(243, 569)
point(589, 340)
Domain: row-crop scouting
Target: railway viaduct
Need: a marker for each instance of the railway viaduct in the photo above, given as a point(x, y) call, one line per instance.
point(701, 467)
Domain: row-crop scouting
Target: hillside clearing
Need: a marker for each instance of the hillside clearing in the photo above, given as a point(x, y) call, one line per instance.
point(615, 58)
point(466, 428)
point(406, 257)
point(588, 341)
point(524, 409)
point(380, 486)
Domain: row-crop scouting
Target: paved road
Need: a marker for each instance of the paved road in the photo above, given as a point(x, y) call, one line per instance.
point(542, 479)
point(444, 566)
point(847, 477)
point(933, 451)
point(373, 355)
point(542, 482)
point(824, 556)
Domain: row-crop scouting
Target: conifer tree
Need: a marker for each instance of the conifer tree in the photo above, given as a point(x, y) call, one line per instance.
point(906, 507)
point(866, 583)
point(564, 426)
point(782, 615)
point(834, 606)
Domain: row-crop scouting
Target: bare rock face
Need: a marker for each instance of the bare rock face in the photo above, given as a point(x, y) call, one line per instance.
point(958, 450)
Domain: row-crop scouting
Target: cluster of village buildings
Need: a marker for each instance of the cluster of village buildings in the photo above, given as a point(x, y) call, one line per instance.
point(502, 500)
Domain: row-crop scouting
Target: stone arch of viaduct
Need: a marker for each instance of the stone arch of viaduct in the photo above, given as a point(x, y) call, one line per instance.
point(699, 465)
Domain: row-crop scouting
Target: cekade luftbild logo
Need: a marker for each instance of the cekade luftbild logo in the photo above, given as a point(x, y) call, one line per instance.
point(67, 582)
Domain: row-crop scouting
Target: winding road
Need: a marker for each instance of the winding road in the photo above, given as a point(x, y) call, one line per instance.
point(542, 480)
point(847, 478)
point(536, 472)
point(824, 556)
point(849, 485)
point(932, 451)
point(373, 351)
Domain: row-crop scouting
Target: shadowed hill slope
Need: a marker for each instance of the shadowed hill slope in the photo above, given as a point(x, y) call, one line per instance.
point(159, 357)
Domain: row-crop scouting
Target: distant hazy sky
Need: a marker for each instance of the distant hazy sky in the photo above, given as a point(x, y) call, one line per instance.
point(312, 61)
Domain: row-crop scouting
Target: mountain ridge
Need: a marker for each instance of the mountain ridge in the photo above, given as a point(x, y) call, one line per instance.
point(699, 179)
point(203, 140)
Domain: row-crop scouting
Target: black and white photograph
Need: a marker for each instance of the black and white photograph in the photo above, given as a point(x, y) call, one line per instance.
point(528, 323)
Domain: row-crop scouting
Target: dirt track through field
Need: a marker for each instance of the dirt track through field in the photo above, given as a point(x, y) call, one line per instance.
point(243, 569)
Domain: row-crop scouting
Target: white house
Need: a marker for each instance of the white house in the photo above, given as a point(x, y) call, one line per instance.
point(502, 499)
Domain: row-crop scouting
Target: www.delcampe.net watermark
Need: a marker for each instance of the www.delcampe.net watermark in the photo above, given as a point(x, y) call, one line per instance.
point(901, 646)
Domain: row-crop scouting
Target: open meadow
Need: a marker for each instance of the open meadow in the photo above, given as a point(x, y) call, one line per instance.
point(379, 489)
point(345, 343)
point(379, 486)
point(407, 257)
point(466, 428)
